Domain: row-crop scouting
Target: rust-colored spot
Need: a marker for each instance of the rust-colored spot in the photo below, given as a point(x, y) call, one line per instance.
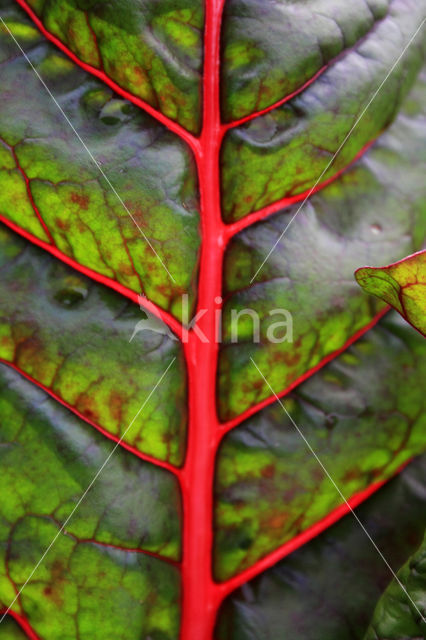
point(90, 414)
point(85, 406)
point(351, 474)
point(58, 580)
point(29, 355)
point(138, 77)
point(115, 403)
point(292, 358)
point(125, 269)
point(268, 471)
point(277, 521)
point(256, 385)
point(64, 225)
point(82, 201)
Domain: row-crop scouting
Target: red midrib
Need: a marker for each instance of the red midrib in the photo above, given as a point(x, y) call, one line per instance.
point(201, 597)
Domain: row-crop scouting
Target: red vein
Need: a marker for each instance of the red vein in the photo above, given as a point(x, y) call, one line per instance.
point(176, 128)
point(234, 422)
point(150, 306)
point(23, 623)
point(30, 196)
point(95, 40)
point(278, 103)
point(104, 432)
point(239, 225)
point(109, 545)
point(305, 85)
point(298, 541)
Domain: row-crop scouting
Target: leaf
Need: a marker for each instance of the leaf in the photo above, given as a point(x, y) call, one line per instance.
point(151, 49)
point(51, 187)
point(395, 616)
point(156, 158)
point(328, 589)
point(72, 336)
point(271, 49)
point(402, 285)
point(309, 275)
point(269, 486)
point(51, 457)
point(282, 153)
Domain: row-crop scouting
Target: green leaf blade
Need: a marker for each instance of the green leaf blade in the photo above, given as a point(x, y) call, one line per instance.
point(151, 49)
point(129, 212)
point(270, 49)
point(269, 486)
point(309, 273)
point(285, 152)
point(328, 589)
point(72, 336)
point(96, 577)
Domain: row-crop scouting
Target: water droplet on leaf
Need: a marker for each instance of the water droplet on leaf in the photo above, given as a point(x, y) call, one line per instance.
point(71, 296)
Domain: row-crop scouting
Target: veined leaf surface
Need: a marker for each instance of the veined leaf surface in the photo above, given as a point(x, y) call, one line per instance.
point(156, 159)
point(329, 588)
